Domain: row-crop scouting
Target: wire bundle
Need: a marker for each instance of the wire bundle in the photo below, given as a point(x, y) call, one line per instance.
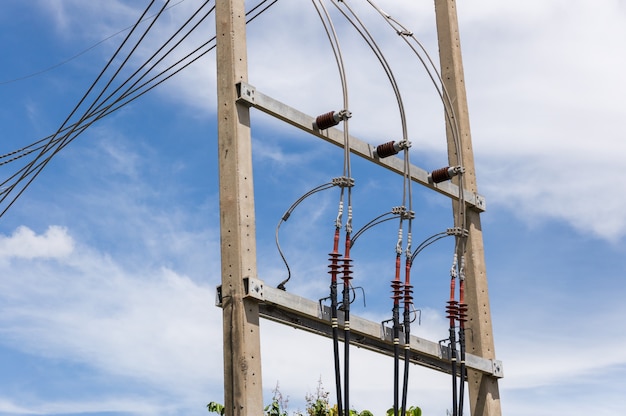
point(110, 91)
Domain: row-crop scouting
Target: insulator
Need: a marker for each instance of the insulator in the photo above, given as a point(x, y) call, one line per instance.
point(387, 149)
point(444, 174)
point(452, 309)
point(328, 120)
point(440, 175)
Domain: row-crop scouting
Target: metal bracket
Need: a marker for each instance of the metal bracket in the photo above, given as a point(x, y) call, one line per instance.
point(218, 296)
point(246, 93)
point(497, 368)
point(253, 288)
point(480, 202)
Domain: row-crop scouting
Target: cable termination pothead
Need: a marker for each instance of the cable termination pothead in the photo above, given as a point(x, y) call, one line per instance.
point(391, 148)
point(330, 119)
point(343, 182)
point(444, 174)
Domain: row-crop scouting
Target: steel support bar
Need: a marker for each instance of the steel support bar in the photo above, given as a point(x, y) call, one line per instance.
point(252, 97)
point(301, 313)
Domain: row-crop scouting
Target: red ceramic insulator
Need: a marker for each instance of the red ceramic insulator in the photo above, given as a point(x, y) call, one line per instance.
point(386, 149)
point(326, 121)
point(440, 175)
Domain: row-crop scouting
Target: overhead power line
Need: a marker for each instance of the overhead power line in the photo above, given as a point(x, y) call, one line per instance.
point(150, 74)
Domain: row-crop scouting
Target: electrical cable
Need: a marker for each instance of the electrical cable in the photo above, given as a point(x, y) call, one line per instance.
point(462, 317)
point(456, 310)
point(334, 271)
point(347, 182)
point(408, 303)
point(452, 309)
point(396, 290)
point(406, 215)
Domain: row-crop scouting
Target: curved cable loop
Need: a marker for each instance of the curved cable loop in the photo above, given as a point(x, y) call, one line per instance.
point(286, 216)
point(431, 68)
point(371, 42)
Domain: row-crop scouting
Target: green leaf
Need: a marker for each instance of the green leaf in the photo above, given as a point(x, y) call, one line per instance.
point(215, 408)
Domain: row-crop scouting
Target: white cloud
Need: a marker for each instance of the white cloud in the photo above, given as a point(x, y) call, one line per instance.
point(155, 327)
point(546, 115)
point(25, 244)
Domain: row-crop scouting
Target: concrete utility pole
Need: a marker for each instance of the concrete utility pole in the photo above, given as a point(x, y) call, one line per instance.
point(483, 389)
point(243, 394)
point(243, 296)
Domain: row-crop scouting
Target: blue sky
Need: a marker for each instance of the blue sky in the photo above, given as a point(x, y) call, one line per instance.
point(109, 260)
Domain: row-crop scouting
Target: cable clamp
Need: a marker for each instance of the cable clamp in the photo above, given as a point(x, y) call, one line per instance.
point(404, 144)
point(403, 212)
point(342, 115)
point(457, 170)
point(405, 32)
point(343, 182)
point(457, 232)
